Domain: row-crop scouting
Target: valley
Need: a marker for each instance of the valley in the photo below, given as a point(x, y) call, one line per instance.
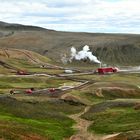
point(43, 99)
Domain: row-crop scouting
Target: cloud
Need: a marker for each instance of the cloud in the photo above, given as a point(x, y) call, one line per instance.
point(122, 16)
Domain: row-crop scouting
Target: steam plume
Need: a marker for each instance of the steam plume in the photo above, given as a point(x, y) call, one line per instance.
point(83, 54)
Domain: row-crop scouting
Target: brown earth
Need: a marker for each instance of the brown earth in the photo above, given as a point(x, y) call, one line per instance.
point(110, 48)
point(130, 135)
point(25, 55)
point(81, 126)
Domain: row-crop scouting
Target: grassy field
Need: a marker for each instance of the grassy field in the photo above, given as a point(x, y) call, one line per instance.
point(111, 111)
point(130, 79)
point(4, 70)
point(38, 82)
point(111, 99)
point(86, 97)
point(44, 119)
point(105, 87)
point(114, 120)
point(45, 70)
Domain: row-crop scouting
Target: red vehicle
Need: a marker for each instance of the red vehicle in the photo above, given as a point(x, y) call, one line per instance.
point(52, 90)
point(29, 91)
point(21, 72)
point(107, 70)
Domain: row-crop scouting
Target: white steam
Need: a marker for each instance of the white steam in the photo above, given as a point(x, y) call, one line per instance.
point(83, 54)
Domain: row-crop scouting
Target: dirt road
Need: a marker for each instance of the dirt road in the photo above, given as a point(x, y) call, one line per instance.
point(81, 126)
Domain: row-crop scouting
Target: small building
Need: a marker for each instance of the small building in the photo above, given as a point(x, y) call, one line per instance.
point(107, 70)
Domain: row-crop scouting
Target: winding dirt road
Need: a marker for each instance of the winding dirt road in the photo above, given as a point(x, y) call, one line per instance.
point(82, 127)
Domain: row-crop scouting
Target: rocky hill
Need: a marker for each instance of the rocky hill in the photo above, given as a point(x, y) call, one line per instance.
point(116, 49)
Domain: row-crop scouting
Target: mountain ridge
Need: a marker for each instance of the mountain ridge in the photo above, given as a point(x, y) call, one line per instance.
point(13, 26)
point(116, 49)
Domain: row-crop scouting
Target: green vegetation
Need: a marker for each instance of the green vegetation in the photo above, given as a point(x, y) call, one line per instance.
point(46, 119)
point(29, 67)
point(116, 120)
point(86, 97)
point(45, 70)
point(111, 86)
point(4, 70)
point(112, 97)
point(26, 82)
point(52, 129)
point(23, 82)
point(132, 79)
point(20, 63)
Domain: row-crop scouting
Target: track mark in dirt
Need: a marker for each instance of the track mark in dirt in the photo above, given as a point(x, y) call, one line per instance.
point(82, 127)
point(111, 136)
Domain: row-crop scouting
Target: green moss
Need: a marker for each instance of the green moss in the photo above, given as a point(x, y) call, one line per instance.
point(53, 129)
point(47, 119)
point(116, 120)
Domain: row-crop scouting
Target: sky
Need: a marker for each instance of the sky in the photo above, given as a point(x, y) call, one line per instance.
point(103, 16)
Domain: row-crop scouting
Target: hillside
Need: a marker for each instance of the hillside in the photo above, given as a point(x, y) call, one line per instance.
point(12, 60)
point(109, 48)
point(8, 26)
point(37, 92)
point(23, 55)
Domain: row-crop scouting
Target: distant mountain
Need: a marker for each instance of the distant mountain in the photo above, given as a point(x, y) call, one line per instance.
point(115, 49)
point(10, 26)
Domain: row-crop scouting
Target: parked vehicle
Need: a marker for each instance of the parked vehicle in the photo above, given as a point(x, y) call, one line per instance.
point(22, 72)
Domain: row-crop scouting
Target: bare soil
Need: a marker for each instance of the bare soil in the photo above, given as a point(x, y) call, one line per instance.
point(82, 127)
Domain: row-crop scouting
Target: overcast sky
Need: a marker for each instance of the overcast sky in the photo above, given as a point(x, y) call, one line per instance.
point(116, 16)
